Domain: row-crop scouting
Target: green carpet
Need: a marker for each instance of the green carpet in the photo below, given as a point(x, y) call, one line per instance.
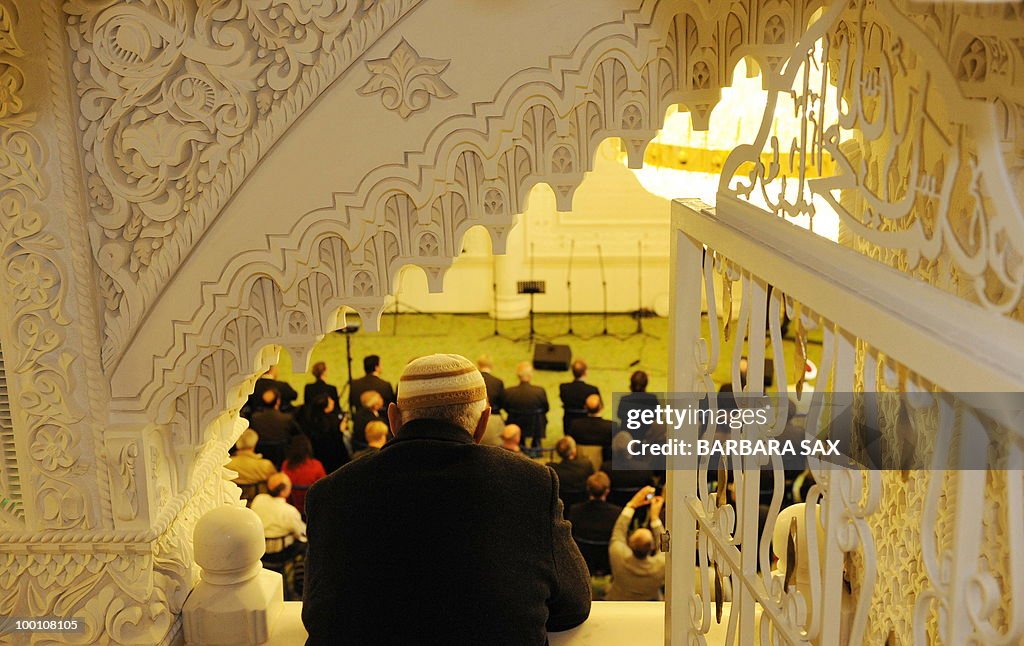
point(609, 357)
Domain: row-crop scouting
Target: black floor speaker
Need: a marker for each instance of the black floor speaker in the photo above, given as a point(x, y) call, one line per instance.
point(548, 356)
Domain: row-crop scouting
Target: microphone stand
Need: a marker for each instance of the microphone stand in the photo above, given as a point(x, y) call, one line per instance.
point(640, 294)
point(532, 288)
point(639, 287)
point(494, 292)
point(348, 359)
point(408, 308)
point(604, 289)
point(568, 282)
point(494, 299)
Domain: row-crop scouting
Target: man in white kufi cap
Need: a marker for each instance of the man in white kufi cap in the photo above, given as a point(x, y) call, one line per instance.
point(437, 540)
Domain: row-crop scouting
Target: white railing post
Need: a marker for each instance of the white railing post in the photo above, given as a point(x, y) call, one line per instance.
point(684, 352)
point(237, 601)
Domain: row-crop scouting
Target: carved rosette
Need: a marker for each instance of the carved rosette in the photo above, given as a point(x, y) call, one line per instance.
point(406, 81)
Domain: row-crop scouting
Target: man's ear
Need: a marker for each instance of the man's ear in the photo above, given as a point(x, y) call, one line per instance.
point(481, 426)
point(395, 417)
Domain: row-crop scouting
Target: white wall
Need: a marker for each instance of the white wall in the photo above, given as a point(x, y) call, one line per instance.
point(610, 209)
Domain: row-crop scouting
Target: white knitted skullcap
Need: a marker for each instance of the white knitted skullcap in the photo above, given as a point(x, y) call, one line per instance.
point(440, 380)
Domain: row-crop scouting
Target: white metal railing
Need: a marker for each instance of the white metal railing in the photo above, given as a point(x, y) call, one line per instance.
point(882, 331)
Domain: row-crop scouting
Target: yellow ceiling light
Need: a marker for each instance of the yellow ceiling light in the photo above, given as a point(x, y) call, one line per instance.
point(682, 162)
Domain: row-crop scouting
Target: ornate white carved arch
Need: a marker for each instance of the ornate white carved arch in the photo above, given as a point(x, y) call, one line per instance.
point(475, 169)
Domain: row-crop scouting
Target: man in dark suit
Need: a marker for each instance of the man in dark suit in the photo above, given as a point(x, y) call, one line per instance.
point(595, 518)
point(269, 380)
point(275, 428)
point(436, 540)
point(320, 386)
point(633, 473)
point(372, 381)
point(593, 521)
point(592, 430)
point(637, 400)
point(574, 394)
point(527, 406)
point(495, 386)
point(573, 470)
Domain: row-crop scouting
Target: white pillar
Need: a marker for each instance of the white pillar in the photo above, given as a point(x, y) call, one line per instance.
point(508, 269)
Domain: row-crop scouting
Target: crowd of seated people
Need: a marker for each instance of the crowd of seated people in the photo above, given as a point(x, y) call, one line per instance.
point(615, 514)
point(479, 527)
point(304, 442)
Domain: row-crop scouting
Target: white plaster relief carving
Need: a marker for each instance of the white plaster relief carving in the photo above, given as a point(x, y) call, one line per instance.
point(926, 164)
point(38, 358)
point(178, 103)
point(127, 591)
point(65, 560)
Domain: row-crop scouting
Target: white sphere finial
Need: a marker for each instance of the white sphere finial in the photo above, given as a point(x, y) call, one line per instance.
point(228, 544)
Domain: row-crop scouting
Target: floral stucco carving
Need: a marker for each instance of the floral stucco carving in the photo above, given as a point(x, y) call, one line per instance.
point(406, 81)
point(43, 483)
point(177, 103)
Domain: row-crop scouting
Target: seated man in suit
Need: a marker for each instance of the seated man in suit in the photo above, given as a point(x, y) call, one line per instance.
point(638, 399)
point(371, 409)
point(482, 555)
point(633, 472)
point(573, 470)
point(510, 438)
point(592, 430)
point(251, 467)
point(275, 428)
point(372, 381)
point(574, 395)
point(376, 437)
point(495, 386)
point(269, 380)
point(594, 519)
point(527, 406)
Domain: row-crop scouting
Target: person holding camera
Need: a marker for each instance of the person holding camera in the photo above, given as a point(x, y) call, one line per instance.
point(638, 567)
